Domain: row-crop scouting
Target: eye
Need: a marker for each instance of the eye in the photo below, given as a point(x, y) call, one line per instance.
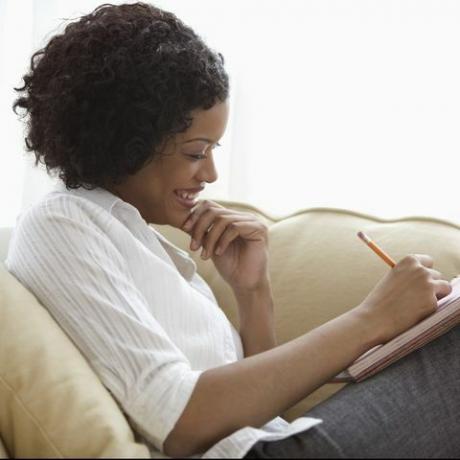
point(197, 157)
point(200, 156)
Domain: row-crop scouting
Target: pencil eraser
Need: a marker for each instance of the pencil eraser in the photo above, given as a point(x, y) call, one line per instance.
point(364, 237)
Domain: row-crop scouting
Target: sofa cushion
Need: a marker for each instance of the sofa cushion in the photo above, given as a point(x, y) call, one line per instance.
point(320, 269)
point(3, 453)
point(53, 405)
point(5, 234)
point(51, 402)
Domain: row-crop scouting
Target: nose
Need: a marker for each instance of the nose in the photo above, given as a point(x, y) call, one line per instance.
point(208, 171)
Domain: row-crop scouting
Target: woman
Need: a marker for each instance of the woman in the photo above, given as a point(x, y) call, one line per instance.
point(128, 106)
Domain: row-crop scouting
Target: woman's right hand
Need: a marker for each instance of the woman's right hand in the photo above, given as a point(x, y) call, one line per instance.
point(405, 296)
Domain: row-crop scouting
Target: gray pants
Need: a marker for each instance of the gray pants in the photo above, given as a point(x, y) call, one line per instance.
point(409, 410)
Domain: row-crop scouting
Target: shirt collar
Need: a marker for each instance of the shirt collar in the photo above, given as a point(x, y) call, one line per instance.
point(100, 196)
point(181, 258)
point(108, 201)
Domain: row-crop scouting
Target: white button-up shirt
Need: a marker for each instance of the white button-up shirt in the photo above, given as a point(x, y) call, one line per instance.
point(135, 306)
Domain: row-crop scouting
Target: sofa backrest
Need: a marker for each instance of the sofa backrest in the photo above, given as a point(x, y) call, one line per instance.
point(5, 235)
point(3, 452)
point(319, 269)
point(318, 265)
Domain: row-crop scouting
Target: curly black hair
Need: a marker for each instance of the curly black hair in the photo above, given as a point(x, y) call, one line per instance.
point(103, 97)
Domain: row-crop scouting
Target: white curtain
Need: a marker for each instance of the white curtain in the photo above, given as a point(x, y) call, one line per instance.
point(341, 103)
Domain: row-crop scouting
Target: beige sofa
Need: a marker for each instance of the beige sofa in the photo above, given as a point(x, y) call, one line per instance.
point(53, 405)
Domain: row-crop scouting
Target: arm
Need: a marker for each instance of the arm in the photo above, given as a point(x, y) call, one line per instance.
point(76, 271)
point(238, 245)
point(253, 391)
point(256, 317)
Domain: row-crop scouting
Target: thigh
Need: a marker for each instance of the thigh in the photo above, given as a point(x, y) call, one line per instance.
point(314, 443)
point(410, 410)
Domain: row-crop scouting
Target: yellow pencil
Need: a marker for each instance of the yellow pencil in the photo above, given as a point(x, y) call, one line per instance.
point(382, 254)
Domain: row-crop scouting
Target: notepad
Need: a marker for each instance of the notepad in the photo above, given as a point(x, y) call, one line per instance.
point(445, 318)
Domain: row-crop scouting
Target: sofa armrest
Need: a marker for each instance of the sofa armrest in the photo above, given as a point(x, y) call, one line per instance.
point(3, 453)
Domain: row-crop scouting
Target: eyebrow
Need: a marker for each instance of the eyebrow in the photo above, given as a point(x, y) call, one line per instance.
point(202, 139)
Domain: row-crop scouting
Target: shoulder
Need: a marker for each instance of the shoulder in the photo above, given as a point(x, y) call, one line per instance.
point(57, 208)
point(58, 219)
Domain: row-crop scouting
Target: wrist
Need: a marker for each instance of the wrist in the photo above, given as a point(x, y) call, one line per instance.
point(261, 287)
point(369, 326)
point(256, 319)
point(255, 306)
point(254, 297)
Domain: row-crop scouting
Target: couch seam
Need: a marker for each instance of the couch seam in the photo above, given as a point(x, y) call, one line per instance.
point(275, 218)
point(33, 418)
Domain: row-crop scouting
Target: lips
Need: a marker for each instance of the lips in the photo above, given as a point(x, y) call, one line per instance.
point(188, 197)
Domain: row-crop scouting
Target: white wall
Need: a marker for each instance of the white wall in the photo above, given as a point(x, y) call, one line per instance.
point(16, 29)
point(344, 103)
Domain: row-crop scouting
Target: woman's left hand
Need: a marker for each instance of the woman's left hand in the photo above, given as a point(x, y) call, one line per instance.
point(237, 243)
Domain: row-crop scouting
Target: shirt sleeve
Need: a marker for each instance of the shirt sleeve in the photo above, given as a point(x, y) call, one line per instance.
point(78, 274)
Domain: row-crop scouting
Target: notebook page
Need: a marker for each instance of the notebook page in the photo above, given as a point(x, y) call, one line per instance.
point(447, 307)
point(415, 337)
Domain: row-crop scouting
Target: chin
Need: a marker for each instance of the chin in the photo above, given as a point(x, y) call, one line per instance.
point(173, 215)
point(177, 220)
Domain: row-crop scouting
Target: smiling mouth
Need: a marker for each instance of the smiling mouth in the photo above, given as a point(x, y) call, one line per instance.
point(186, 198)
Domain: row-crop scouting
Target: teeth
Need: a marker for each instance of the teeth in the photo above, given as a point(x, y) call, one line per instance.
point(187, 196)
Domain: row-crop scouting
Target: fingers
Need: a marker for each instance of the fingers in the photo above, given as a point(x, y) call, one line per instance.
point(434, 274)
point(199, 210)
point(232, 231)
point(204, 223)
point(442, 288)
point(228, 226)
point(425, 260)
point(209, 221)
point(415, 259)
point(220, 242)
point(422, 265)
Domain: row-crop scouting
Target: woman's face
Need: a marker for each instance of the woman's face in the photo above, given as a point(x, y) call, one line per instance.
point(167, 188)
